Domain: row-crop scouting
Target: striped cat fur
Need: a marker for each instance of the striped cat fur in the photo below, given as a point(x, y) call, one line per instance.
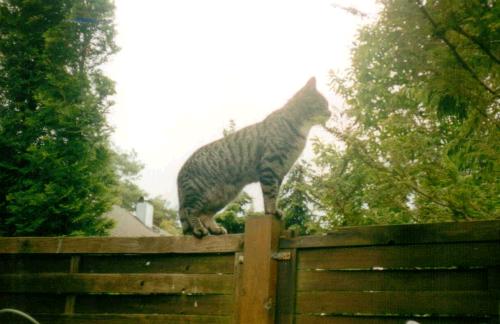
point(216, 173)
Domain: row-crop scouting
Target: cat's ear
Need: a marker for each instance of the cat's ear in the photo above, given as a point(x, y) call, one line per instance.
point(311, 84)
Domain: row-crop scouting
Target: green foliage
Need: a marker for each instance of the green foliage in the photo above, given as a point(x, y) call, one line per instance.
point(127, 167)
point(56, 176)
point(422, 97)
point(164, 216)
point(294, 202)
point(171, 226)
point(233, 216)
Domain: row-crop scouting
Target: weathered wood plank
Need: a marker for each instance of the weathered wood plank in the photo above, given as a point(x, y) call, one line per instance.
point(472, 303)
point(158, 263)
point(133, 319)
point(82, 245)
point(400, 234)
point(34, 303)
point(494, 279)
point(476, 279)
point(317, 319)
point(118, 283)
point(155, 304)
point(258, 294)
point(20, 263)
point(238, 279)
point(404, 256)
point(70, 299)
point(286, 290)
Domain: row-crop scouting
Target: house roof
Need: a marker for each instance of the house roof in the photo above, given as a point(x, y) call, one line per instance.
point(126, 224)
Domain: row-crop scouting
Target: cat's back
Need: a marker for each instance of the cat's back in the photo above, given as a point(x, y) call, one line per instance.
point(230, 157)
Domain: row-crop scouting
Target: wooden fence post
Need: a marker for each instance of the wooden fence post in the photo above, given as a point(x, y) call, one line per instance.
point(258, 287)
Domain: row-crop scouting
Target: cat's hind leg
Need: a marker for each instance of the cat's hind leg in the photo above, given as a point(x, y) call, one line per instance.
point(191, 223)
point(210, 224)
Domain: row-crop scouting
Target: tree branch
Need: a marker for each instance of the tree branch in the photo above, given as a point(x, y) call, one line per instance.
point(453, 50)
point(478, 42)
point(404, 179)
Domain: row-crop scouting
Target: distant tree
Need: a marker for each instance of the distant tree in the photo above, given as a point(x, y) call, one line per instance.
point(164, 216)
point(294, 201)
point(56, 175)
point(128, 168)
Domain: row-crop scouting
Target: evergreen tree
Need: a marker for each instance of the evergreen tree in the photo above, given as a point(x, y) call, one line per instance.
point(127, 167)
point(294, 201)
point(422, 97)
point(56, 175)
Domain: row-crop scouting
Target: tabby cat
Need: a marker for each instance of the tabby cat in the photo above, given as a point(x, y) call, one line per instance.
point(215, 174)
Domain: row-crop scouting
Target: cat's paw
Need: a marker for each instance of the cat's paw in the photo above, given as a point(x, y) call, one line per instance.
point(212, 226)
point(198, 229)
point(219, 230)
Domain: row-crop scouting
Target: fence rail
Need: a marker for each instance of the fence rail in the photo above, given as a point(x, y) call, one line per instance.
point(432, 273)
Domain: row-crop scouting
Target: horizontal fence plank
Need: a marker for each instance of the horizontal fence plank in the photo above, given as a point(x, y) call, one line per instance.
point(403, 303)
point(23, 263)
point(494, 279)
point(82, 245)
point(400, 234)
point(404, 256)
point(118, 283)
point(392, 280)
point(158, 263)
point(317, 319)
point(132, 319)
point(155, 304)
point(34, 303)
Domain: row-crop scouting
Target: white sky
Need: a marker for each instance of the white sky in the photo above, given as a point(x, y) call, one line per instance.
point(186, 67)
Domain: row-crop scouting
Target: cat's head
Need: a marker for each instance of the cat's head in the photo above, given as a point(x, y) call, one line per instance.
point(315, 103)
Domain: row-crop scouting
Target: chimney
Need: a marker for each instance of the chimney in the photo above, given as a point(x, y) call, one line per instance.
point(144, 211)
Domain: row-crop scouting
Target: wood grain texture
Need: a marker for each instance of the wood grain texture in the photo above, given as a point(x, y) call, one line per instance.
point(317, 319)
point(118, 283)
point(402, 256)
point(155, 304)
point(472, 231)
point(133, 319)
point(34, 303)
point(238, 278)
point(82, 245)
point(474, 303)
point(39, 263)
point(158, 263)
point(444, 280)
point(494, 280)
point(286, 289)
point(258, 294)
point(74, 265)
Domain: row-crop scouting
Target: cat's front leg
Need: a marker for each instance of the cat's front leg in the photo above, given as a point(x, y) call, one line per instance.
point(270, 188)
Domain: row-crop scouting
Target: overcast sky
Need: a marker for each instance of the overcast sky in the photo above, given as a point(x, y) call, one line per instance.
point(187, 67)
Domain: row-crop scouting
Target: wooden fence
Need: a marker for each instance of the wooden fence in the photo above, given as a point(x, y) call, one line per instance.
point(436, 273)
